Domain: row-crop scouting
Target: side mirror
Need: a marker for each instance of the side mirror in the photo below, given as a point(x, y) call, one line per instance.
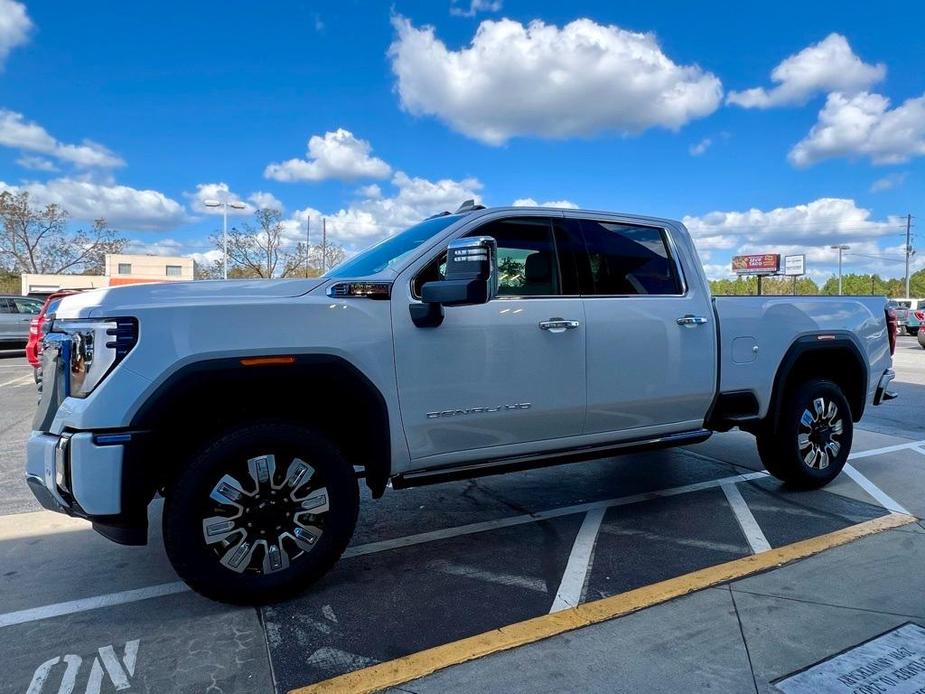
point(471, 278)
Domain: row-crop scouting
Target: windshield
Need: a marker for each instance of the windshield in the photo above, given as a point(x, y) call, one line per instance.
point(391, 251)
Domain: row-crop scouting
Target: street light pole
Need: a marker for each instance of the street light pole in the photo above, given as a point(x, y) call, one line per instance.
point(224, 204)
point(840, 247)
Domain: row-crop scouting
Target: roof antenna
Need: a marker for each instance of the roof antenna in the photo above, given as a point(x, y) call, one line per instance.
point(469, 206)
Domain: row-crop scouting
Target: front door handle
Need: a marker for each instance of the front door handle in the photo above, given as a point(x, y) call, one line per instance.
point(691, 321)
point(558, 325)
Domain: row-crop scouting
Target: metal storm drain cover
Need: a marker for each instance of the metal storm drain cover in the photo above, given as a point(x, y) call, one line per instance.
point(892, 663)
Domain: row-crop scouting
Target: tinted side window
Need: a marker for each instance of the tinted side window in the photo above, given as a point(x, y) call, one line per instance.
point(627, 259)
point(527, 260)
point(527, 263)
point(6, 306)
point(30, 306)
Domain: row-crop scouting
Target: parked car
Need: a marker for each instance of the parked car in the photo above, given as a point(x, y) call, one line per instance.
point(473, 343)
point(906, 321)
point(35, 327)
point(15, 314)
point(915, 317)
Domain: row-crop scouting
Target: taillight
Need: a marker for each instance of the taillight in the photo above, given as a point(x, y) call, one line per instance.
point(891, 328)
point(34, 326)
point(920, 315)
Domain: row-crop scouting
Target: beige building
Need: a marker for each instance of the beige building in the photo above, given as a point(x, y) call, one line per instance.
point(120, 269)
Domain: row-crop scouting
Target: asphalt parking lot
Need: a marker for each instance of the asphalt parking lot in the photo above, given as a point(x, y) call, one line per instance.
point(426, 567)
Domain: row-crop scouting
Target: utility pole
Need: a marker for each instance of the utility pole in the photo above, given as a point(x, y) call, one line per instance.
point(324, 244)
point(308, 241)
point(840, 247)
point(908, 249)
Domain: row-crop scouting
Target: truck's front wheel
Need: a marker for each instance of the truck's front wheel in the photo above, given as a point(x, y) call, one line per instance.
point(811, 442)
point(260, 514)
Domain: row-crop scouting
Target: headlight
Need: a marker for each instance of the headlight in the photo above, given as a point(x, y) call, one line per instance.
point(95, 347)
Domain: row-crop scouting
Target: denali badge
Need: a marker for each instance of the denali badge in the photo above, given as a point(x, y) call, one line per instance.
point(480, 410)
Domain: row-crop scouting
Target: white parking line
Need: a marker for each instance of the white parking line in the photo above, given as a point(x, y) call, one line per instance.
point(756, 539)
point(579, 562)
point(885, 449)
point(62, 608)
point(884, 499)
point(21, 381)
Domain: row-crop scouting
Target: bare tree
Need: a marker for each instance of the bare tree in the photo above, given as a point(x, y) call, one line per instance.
point(260, 251)
point(38, 240)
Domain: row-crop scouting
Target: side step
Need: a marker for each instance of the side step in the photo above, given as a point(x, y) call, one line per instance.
point(499, 466)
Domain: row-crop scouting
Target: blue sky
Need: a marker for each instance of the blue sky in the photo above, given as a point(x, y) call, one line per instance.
point(136, 111)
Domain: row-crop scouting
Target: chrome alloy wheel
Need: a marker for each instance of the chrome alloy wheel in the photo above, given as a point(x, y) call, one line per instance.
point(262, 528)
point(820, 431)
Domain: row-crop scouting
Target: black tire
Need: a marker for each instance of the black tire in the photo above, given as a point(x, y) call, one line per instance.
point(262, 574)
point(800, 451)
point(913, 331)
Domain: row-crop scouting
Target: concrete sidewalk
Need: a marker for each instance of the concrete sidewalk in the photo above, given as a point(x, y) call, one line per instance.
point(737, 637)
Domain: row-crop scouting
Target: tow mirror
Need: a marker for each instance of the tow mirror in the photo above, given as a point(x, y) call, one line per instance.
point(471, 278)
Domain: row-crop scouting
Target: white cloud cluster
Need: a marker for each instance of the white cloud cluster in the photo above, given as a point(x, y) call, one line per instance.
point(373, 218)
point(475, 6)
point(827, 66)
point(864, 125)
point(530, 202)
point(816, 224)
point(338, 154)
point(15, 27)
point(17, 133)
point(121, 206)
point(515, 80)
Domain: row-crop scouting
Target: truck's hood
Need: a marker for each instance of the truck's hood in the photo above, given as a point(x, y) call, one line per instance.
point(114, 300)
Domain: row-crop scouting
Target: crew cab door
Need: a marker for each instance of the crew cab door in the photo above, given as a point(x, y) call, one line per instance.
point(650, 330)
point(494, 377)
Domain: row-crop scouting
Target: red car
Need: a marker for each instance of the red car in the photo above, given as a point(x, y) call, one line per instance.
point(33, 350)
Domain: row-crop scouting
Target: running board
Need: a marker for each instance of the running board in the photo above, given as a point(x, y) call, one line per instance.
point(418, 478)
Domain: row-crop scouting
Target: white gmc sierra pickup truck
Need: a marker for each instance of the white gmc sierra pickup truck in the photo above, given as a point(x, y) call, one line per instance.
point(472, 343)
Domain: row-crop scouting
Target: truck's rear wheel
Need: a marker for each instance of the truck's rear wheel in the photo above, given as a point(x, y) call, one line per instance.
point(260, 514)
point(811, 443)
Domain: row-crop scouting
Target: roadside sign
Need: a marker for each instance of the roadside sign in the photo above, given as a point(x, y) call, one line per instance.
point(795, 265)
point(765, 264)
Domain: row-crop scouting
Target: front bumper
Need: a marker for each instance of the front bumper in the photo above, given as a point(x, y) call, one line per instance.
point(80, 473)
point(883, 394)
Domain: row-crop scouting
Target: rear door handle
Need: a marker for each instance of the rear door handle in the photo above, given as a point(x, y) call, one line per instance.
point(558, 325)
point(691, 321)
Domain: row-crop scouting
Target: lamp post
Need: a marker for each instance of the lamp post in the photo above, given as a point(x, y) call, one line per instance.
point(224, 204)
point(839, 247)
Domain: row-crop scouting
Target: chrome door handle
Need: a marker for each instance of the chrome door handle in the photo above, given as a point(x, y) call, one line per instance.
point(691, 321)
point(558, 325)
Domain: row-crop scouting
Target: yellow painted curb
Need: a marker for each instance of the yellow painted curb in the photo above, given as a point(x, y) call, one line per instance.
point(417, 665)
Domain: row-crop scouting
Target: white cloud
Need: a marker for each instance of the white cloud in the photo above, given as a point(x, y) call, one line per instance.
point(159, 247)
point(816, 224)
point(889, 181)
point(15, 27)
point(28, 161)
point(827, 66)
point(515, 80)
point(530, 202)
point(339, 154)
point(17, 133)
point(864, 125)
point(701, 147)
point(475, 6)
point(370, 191)
point(217, 191)
point(263, 200)
point(121, 206)
point(374, 218)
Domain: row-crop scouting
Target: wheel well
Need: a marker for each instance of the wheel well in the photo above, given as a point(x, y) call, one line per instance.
point(840, 363)
point(203, 399)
